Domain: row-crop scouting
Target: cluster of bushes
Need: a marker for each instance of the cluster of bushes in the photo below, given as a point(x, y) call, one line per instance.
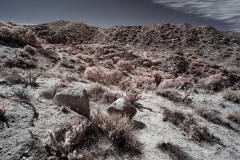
point(17, 36)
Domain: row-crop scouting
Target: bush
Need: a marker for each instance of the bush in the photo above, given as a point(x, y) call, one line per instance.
point(100, 75)
point(174, 151)
point(214, 82)
point(19, 62)
point(31, 50)
point(233, 96)
point(3, 110)
point(72, 137)
point(132, 96)
point(235, 117)
point(171, 94)
point(125, 65)
point(187, 123)
point(119, 130)
point(98, 93)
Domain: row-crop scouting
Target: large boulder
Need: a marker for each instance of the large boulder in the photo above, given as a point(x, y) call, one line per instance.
point(122, 106)
point(75, 98)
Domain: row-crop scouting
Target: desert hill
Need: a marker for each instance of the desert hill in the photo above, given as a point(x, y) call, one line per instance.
point(73, 91)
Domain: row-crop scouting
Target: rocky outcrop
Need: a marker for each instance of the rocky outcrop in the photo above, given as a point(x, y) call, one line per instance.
point(76, 99)
point(122, 106)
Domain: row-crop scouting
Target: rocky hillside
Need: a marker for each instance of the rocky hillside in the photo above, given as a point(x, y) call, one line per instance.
point(73, 91)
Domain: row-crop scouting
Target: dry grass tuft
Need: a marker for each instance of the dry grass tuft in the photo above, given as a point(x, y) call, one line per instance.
point(133, 96)
point(186, 122)
point(98, 93)
point(3, 111)
point(119, 130)
point(102, 76)
point(213, 116)
point(235, 117)
point(171, 94)
point(22, 94)
point(214, 82)
point(233, 96)
point(125, 65)
point(174, 151)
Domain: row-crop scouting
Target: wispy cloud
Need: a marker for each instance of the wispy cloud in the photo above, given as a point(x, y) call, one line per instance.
point(224, 10)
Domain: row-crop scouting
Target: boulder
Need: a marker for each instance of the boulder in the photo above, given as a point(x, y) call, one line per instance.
point(122, 106)
point(74, 98)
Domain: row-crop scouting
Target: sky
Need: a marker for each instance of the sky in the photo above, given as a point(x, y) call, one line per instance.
point(107, 13)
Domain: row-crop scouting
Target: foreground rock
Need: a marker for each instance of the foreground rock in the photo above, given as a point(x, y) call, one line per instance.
point(76, 99)
point(122, 106)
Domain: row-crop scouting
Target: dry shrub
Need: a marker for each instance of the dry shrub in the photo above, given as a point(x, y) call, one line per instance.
point(144, 82)
point(233, 96)
point(184, 82)
point(120, 131)
point(3, 110)
point(186, 122)
point(98, 93)
point(214, 82)
point(100, 75)
point(72, 138)
point(125, 65)
point(171, 94)
point(22, 94)
point(157, 78)
point(167, 83)
point(18, 36)
point(235, 117)
point(166, 75)
point(84, 57)
point(133, 96)
point(67, 64)
point(31, 50)
point(213, 116)
point(174, 151)
point(19, 62)
point(125, 84)
point(49, 53)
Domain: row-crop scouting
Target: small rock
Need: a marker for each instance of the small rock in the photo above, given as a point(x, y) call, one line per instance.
point(123, 107)
point(75, 98)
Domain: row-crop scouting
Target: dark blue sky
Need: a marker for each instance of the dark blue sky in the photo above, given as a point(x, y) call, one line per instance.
point(104, 13)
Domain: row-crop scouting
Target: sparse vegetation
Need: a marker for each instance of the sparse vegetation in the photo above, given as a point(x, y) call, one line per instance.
point(65, 148)
point(235, 117)
point(171, 94)
point(213, 116)
point(98, 93)
point(233, 96)
point(186, 122)
point(3, 110)
point(22, 94)
point(214, 82)
point(119, 130)
point(174, 151)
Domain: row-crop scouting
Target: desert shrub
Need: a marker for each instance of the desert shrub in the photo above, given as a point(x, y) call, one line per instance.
point(144, 82)
point(49, 53)
point(171, 94)
point(30, 78)
point(84, 57)
point(167, 83)
point(18, 36)
point(212, 116)
point(67, 64)
point(132, 96)
point(235, 117)
point(119, 130)
point(102, 76)
point(98, 93)
point(233, 96)
point(157, 78)
point(125, 65)
point(124, 84)
point(3, 110)
point(31, 50)
point(214, 82)
point(72, 137)
point(22, 94)
point(186, 122)
point(174, 151)
point(19, 62)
